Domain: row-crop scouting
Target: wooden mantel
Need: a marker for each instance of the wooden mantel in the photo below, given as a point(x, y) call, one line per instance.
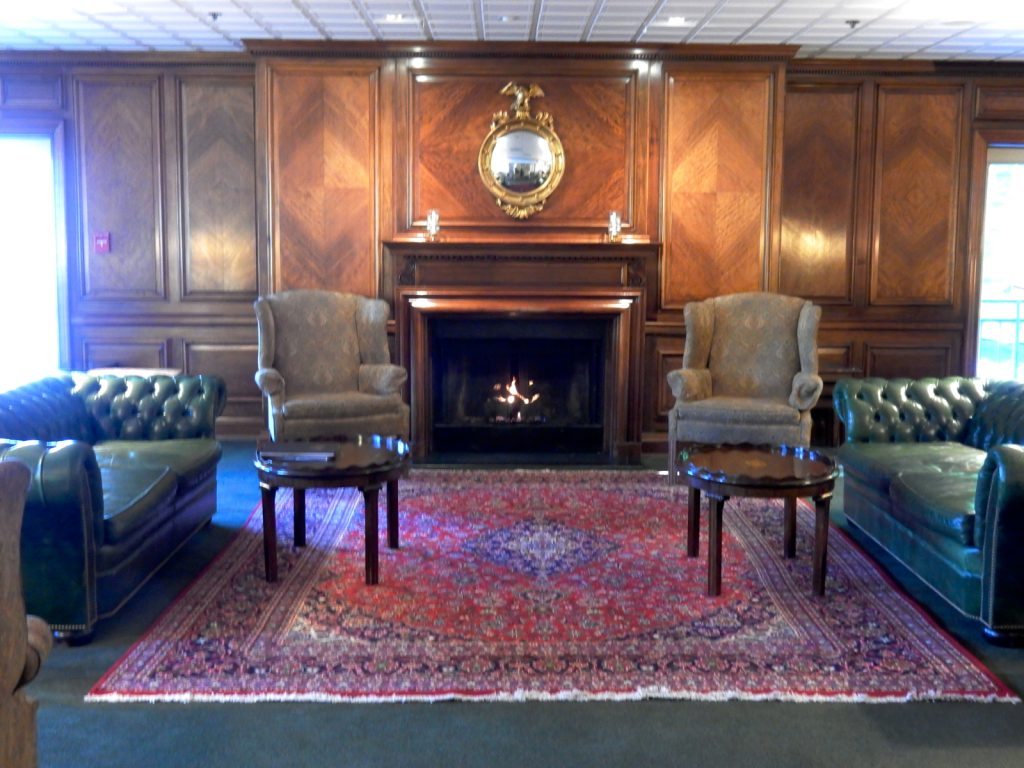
point(600, 280)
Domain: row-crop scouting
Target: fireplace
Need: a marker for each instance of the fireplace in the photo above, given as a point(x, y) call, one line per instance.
point(518, 385)
point(569, 317)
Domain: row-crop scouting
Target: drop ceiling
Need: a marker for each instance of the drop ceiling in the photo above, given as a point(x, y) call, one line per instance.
point(891, 29)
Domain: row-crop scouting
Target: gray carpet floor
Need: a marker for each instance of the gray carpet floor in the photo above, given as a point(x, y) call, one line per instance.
point(73, 734)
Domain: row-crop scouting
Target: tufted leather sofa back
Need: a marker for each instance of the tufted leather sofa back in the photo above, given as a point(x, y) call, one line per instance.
point(108, 407)
point(151, 407)
point(875, 410)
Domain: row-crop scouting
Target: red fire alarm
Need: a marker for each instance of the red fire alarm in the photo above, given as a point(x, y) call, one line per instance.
point(101, 242)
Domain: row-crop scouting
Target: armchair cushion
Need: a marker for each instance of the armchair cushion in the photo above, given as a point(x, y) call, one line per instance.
point(340, 405)
point(739, 410)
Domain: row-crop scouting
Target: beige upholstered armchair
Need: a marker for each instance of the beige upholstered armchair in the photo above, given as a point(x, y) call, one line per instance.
point(24, 641)
point(325, 368)
point(749, 375)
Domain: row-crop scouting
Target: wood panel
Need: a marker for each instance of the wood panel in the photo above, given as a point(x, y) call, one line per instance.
point(127, 353)
point(31, 91)
point(595, 116)
point(663, 352)
point(235, 362)
point(905, 358)
point(120, 176)
point(819, 193)
point(219, 187)
point(716, 184)
point(323, 145)
point(999, 102)
point(916, 196)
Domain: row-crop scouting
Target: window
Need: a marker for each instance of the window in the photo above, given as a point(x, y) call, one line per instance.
point(1001, 308)
point(30, 335)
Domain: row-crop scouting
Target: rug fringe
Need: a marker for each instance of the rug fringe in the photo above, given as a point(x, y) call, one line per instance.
point(536, 696)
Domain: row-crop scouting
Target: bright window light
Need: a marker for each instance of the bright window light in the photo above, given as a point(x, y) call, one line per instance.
point(28, 261)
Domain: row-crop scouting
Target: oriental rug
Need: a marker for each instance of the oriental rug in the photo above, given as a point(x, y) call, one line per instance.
point(532, 584)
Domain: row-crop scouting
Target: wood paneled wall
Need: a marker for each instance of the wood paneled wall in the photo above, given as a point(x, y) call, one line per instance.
point(855, 184)
point(600, 112)
point(324, 174)
point(163, 160)
point(718, 182)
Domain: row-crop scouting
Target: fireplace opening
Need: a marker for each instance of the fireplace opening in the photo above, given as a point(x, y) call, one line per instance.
point(519, 385)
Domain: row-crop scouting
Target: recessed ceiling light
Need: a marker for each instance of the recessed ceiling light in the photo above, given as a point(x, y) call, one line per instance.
point(393, 18)
point(506, 19)
point(676, 21)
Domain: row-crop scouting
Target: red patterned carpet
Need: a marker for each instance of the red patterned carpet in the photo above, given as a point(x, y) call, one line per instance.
point(541, 585)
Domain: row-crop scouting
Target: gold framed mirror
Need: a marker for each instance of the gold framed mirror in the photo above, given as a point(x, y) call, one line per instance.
point(521, 160)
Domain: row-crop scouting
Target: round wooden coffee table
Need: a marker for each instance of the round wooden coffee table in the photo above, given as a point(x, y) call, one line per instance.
point(366, 462)
point(757, 471)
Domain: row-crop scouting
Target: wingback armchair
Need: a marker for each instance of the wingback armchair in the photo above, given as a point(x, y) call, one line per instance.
point(749, 375)
point(24, 641)
point(325, 368)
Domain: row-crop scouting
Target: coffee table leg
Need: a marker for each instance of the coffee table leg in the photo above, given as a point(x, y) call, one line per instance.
point(693, 524)
point(789, 534)
point(393, 514)
point(821, 504)
point(269, 532)
point(300, 517)
point(370, 496)
point(715, 545)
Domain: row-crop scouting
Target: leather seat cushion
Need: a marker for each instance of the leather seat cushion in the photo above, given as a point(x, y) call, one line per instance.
point(876, 464)
point(191, 459)
point(344, 405)
point(744, 410)
point(135, 498)
point(942, 503)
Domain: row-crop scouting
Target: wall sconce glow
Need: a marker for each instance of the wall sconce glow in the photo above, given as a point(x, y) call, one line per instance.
point(433, 223)
point(614, 226)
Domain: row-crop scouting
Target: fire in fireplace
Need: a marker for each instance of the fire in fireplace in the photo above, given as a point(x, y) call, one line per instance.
point(518, 385)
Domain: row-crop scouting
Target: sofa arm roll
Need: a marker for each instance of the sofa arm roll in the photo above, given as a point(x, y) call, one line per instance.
point(61, 530)
point(688, 384)
point(999, 531)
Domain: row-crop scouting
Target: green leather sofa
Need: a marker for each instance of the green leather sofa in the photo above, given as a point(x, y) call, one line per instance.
point(124, 471)
point(934, 473)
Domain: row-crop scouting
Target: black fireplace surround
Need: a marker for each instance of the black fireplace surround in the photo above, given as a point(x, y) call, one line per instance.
point(527, 385)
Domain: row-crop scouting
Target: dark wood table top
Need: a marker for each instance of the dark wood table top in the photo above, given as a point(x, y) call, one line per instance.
point(356, 456)
point(758, 465)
